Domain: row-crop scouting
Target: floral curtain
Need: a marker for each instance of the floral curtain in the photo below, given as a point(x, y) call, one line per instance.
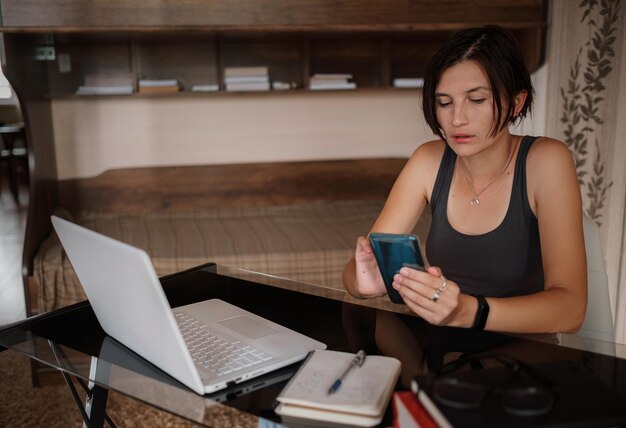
point(585, 109)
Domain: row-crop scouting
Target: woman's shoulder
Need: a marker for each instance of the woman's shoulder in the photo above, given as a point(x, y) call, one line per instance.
point(545, 151)
point(549, 144)
point(430, 150)
point(423, 164)
point(550, 164)
point(426, 157)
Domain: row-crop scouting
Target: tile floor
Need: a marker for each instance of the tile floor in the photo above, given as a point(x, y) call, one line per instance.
point(12, 224)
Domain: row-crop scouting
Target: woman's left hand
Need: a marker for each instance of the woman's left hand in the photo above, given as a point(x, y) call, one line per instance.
point(430, 295)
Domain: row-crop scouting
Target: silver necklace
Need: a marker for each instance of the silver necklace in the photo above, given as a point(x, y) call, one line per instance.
point(475, 201)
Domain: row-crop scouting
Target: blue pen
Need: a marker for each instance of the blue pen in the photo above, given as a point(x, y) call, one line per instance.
point(357, 361)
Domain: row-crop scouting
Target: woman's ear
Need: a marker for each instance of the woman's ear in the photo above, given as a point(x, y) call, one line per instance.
point(520, 99)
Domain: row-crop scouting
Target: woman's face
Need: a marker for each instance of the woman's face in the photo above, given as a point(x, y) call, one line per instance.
point(464, 107)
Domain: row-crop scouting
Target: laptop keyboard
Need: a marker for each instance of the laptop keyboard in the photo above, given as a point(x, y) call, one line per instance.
point(215, 353)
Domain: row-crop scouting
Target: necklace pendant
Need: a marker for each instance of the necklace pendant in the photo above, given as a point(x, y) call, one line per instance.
point(474, 202)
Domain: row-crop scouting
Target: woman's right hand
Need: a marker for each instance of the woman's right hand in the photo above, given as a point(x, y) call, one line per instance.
point(368, 281)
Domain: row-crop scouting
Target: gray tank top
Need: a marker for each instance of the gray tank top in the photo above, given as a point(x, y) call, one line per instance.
point(503, 262)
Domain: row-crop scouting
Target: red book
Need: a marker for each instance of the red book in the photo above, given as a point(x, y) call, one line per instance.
point(408, 412)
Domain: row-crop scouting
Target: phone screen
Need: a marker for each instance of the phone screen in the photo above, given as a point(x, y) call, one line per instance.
point(392, 252)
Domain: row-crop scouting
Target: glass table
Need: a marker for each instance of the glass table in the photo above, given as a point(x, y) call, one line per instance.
point(71, 341)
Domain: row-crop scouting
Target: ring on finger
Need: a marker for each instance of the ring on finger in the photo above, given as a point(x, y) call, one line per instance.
point(436, 296)
point(444, 282)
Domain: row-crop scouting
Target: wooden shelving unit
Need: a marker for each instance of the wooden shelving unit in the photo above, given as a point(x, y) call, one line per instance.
point(374, 59)
point(194, 41)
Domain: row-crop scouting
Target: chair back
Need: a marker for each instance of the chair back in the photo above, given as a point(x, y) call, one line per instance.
point(598, 322)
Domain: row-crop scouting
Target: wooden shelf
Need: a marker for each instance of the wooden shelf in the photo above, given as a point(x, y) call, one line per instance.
point(199, 58)
point(222, 93)
point(267, 15)
point(195, 41)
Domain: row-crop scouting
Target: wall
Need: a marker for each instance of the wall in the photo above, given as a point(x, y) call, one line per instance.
point(123, 132)
point(233, 128)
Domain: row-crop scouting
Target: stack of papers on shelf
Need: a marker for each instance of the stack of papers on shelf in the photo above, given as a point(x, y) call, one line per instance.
point(246, 79)
point(158, 86)
point(408, 82)
point(205, 88)
point(283, 86)
point(107, 84)
point(108, 90)
point(361, 399)
point(331, 82)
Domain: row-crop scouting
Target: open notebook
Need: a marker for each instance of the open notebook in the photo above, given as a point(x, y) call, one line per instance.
point(361, 400)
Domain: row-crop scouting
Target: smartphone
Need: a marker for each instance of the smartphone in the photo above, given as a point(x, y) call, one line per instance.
point(392, 252)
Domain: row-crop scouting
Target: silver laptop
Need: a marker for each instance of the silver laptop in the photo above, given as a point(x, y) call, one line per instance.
point(206, 345)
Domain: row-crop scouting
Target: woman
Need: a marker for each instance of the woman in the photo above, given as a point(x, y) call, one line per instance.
point(505, 247)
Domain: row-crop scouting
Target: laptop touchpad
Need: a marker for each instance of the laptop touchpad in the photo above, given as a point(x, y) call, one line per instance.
point(248, 327)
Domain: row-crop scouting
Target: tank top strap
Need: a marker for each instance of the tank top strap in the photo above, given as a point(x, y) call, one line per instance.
point(441, 188)
point(520, 188)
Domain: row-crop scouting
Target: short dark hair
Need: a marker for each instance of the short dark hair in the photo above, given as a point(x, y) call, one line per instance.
point(497, 51)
